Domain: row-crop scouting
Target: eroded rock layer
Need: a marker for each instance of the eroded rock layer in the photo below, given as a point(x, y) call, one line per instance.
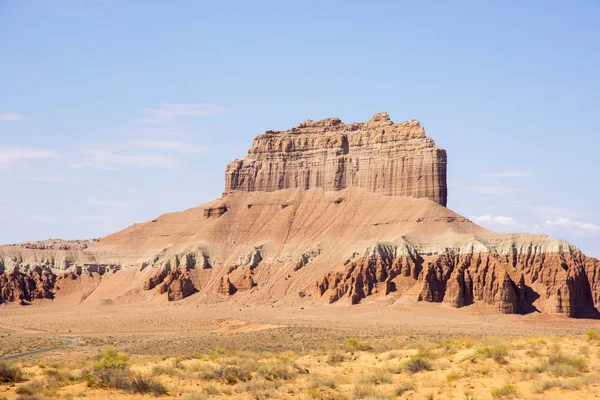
point(324, 213)
point(555, 283)
point(379, 155)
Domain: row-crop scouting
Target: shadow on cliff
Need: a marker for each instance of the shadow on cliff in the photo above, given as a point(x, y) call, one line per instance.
point(584, 304)
point(526, 305)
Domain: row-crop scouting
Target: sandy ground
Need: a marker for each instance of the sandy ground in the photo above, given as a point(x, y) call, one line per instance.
point(181, 328)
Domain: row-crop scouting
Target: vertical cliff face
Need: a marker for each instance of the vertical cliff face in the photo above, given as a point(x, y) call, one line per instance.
point(378, 155)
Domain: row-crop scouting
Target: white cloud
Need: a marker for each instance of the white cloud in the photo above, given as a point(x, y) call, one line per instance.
point(10, 117)
point(112, 204)
point(169, 145)
point(509, 175)
point(566, 227)
point(10, 155)
point(507, 221)
point(558, 212)
point(116, 156)
point(168, 112)
point(502, 220)
point(568, 223)
point(160, 144)
point(493, 189)
point(481, 218)
point(144, 153)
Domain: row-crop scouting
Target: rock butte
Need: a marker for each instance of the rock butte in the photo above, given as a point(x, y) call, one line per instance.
point(380, 156)
point(325, 212)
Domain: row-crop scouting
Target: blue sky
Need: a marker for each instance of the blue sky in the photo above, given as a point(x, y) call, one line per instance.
point(113, 112)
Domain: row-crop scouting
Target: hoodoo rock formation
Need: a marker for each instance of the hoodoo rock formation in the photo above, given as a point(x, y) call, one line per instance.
point(324, 213)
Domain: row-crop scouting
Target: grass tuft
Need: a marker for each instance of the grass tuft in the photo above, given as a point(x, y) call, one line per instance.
point(504, 392)
point(10, 373)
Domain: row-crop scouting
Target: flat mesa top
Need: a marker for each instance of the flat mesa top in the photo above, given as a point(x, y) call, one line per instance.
point(380, 123)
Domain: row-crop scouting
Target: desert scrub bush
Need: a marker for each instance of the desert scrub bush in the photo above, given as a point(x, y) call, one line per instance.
point(453, 376)
point(143, 385)
point(335, 357)
point(10, 373)
point(25, 389)
point(364, 391)
point(541, 387)
point(403, 388)
point(497, 353)
point(112, 359)
point(61, 378)
point(124, 380)
point(229, 372)
point(216, 353)
point(112, 372)
point(377, 377)
point(592, 335)
point(321, 381)
point(37, 389)
point(504, 391)
point(417, 364)
point(371, 393)
point(194, 396)
point(318, 393)
point(562, 365)
point(278, 369)
point(256, 386)
point(355, 344)
point(158, 370)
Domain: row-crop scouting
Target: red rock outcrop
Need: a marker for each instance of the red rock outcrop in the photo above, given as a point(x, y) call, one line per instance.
point(555, 282)
point(25, 287)
point(379, 155)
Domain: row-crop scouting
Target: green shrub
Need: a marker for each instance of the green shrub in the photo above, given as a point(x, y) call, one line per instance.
point(112, 359)
point(355, 344)
point(504, 391)
point(10, 373)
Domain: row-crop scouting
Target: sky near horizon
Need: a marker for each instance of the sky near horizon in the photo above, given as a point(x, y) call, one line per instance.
point(114, 112)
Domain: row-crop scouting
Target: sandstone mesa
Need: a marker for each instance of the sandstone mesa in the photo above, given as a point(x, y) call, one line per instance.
point(324, 212)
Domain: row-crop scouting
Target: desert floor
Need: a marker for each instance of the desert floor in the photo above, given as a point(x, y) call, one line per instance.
point(228, 350)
